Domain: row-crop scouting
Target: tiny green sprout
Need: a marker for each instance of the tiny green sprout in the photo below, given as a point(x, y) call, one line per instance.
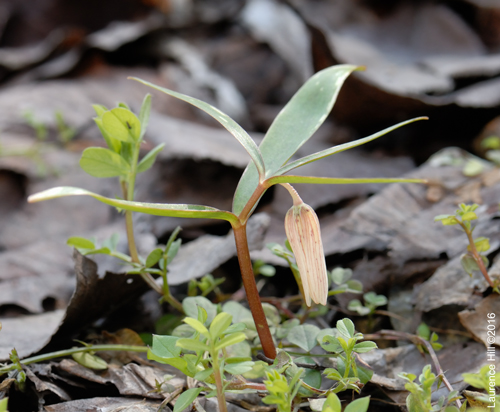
point(281, 391)
point(345, 346)
point(472, 260)
point(261, 268)
point(419, 399)
point(40, 129)
point(206, 285)
point(372, 301)
point(65, 132)
point(341, 282)
point(432, 337)
point(203, 356)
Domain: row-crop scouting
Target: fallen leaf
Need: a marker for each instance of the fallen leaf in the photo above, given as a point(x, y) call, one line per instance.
point(477, 321)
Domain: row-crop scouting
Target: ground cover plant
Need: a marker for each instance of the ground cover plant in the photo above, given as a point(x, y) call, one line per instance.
point(209, 345)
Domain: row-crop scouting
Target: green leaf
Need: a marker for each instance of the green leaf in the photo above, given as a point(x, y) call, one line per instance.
point(237, 311)
point(186, 399)
point(336, 181)
point(190, 306)
point(304, 336)
point(359, 405)
point(230, 340)
point(197, 326)
point(469, 216)
point(473, 167)
point(341, 275)
point(178, 363)
point(144, 114)
point(122, 124)
point(446, 220)
point(229, 124)
point(239, 368)
point(90, 361)
point(3, 404)
point(80, 243)
point(295, 124)
point(469, 264)
point(346, 327)
point(157, 209)
point(364, 347)
point(192, 344)
point(165, 346)
point(220, 323)
point(340, 148)
point(148, 160)
point(114, 144)
point(332, 404)
point(154, 257)
point(331, 344)
point(482, 244)
point(101, 162)
point(99, 109)
point(204, 374)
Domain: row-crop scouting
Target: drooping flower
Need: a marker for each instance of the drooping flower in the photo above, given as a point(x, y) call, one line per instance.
point(303, 233)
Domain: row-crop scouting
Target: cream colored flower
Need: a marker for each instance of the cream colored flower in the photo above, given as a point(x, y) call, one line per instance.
point(303, 233)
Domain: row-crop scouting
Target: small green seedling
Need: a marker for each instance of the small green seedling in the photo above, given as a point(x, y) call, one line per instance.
point(345, 345)
point(372, 302)
point(203, 356)
point(419, 399)
point(270, 164)
point(424, 332)
point(281, 392)
point(474, 259)
point(487, 379)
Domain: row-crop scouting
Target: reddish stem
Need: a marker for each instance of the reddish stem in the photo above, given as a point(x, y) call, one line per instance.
point(248, 277)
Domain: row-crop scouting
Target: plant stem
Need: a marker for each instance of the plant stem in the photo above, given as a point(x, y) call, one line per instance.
point(128, 194)
point(221, 399)
point(67, 352)
point(477, 256)
point(248, 277)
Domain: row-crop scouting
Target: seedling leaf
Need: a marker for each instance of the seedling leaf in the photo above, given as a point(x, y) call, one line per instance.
point(122, 124)
point(229, 124)
point(80, 243)
point(304, 336)
point(186, 399)
point(102, 162)
point(148, 160)
point(157, 209)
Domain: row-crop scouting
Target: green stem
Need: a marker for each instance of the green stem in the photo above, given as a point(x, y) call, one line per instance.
point(248, 277)
point(477, 256)
point(68, 352)
point(221, 399)
point(128, 194)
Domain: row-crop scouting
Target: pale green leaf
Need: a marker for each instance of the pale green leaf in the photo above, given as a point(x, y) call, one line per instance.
point(336, 181)
point(153, 257)
point(144, 114)
point(332, 403)
point(122, 124)
point(304, 336)
point(157, 209)
point(204, 374)
point(186, 399)
point(164, 346)
point(190, 306)
point(113, 144)
point(80, 243)
point(295, 124)
point(231, 339)
point(229, 124)
point(346, 327)
point(220, 323)
point(90, 361)
point(364, 347)
point(358, 405)
point(239, 368)
point(197, 326)
point(102, 162)
point(192, 344)
point(342, 147)
point(148, 160)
